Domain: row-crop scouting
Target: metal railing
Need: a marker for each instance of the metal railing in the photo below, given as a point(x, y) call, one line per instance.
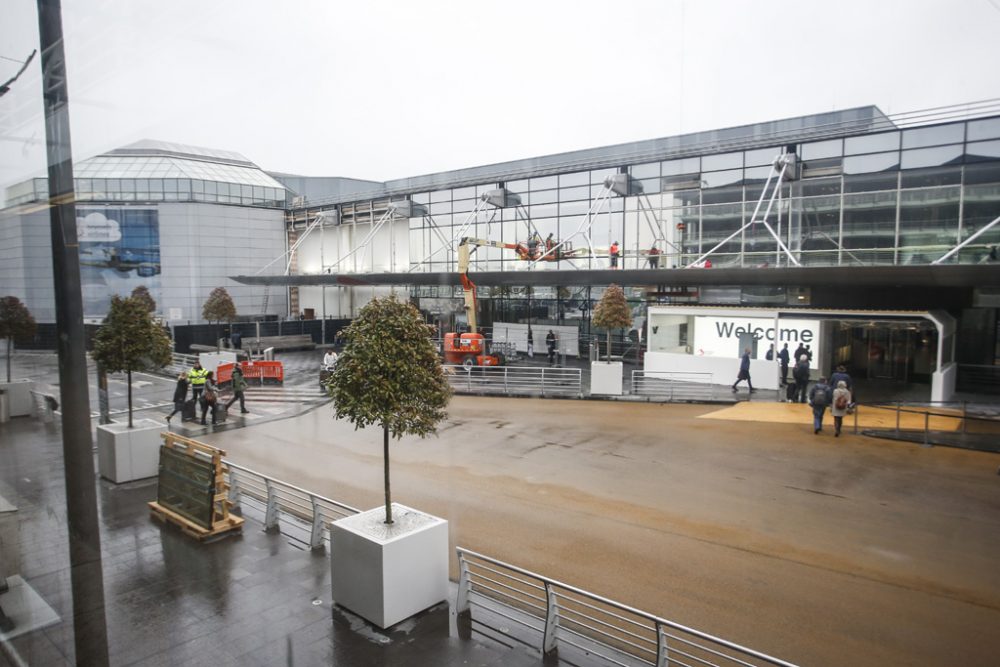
point(274, 498)
point(935, 421)
point(674, 385)
point(566, 615)
point(516, 380)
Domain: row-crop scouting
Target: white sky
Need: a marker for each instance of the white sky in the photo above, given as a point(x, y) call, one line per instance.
point(383, 90)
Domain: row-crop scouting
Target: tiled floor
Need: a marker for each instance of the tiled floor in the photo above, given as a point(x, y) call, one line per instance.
point(255, 599)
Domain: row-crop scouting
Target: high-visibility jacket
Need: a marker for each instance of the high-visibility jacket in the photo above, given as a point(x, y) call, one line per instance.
point(197, 376)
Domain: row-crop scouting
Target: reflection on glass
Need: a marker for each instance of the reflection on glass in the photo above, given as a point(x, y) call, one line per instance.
point(934, 136)
point(723, 161)
point(651, 170)
point(573, 180)
point(822, 149)
point(988, 128)
point(928, 217)
point(688, 165)
point(871, 143)
point(931, 157)
point(761, 156)
point(982, 150)
point(861, 164)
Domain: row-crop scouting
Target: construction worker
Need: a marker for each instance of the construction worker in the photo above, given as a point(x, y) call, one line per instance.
point(196, 376)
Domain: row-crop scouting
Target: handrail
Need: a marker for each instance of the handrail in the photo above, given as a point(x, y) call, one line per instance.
point(552, 617)
point(515, 380)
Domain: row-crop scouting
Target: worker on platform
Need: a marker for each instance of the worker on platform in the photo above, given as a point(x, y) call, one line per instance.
point(614, 252)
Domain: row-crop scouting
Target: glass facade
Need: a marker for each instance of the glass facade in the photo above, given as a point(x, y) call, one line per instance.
point(156, 176)
point(888, 198)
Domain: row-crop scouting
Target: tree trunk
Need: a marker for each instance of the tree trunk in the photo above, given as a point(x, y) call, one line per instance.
point(129, 372)
point(10, 346)
point(607, 356)
point(385, 458)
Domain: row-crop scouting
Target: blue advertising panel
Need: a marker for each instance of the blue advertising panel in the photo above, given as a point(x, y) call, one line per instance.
point(119, 250)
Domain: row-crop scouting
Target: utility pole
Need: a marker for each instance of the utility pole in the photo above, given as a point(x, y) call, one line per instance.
point(86, 576)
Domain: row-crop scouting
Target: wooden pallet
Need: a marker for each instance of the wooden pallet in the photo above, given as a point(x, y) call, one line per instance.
point(231, 525)
point(223, 523)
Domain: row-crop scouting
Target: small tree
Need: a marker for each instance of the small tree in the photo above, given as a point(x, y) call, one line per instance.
point(390, 374)
point(129, 340)
point(612, 312)
point(15, 322)
point(219, 307)
point(142, 295)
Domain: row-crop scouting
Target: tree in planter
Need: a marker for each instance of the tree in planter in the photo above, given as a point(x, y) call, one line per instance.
point(15, 322)
point(129, 340)
point(612, 312)
point(390, 374)
point(219, 307)
point(141, 294)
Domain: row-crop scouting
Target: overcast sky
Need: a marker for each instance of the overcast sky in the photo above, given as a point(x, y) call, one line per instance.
point(383, 90)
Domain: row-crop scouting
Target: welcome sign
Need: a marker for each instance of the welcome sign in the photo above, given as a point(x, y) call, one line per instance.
point(721, 336)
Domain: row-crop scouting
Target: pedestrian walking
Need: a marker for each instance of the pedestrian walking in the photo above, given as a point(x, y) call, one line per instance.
point(841, 375)
point(819, 398)
point(531, 343)
point(783, 358)
point(550, 344)
point(840, 405)
point(744, 373)
point(180, 395)
point(239, 387)
point(209, 397)
point(614, 252)
point(237, 340)
point(196, 377)
point(801, 376)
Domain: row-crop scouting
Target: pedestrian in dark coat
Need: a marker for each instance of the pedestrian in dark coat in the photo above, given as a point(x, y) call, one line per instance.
point(744, 373)
point(180, 395)
point(841, 375)
point(820, 397)
point(550, 343)
point(801, 376)
point(783, 358)
point(209, 397)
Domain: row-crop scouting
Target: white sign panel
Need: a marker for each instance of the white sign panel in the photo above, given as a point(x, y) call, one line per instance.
point(721, 336)
point(95, 228)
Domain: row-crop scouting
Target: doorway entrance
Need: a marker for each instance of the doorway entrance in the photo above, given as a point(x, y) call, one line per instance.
point(887, 352)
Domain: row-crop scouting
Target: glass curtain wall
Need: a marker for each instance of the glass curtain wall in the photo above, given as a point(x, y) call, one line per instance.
point(890, 198)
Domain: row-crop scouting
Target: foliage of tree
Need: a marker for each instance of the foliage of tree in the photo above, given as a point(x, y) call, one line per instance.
point(141, 294)
point(15, 322)
point(390, 374)
point(612, 312)
point(129, 340)
point(219, 306)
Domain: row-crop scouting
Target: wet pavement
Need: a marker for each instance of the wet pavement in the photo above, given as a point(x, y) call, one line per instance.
point(254, 599)
point(820, 551)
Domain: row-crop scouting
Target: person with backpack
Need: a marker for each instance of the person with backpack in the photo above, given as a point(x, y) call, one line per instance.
point(841, 375)
point(801, 376)
point(841, 403)
point(819, 398)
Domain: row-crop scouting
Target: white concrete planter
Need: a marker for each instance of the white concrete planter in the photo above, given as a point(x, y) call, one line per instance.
point(386, 574)
point(606, 378)
point(18, 393)
point(125, 454)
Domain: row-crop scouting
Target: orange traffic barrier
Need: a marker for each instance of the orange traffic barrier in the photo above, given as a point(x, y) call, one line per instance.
point(262, 371)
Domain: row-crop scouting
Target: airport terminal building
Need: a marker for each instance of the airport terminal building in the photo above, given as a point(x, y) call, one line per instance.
point(874, 237)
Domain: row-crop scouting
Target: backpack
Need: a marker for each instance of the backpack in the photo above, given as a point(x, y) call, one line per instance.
point(841, 402)
point(819, 397)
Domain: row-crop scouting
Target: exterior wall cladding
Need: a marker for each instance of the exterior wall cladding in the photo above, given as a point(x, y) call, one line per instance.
point(198, 246)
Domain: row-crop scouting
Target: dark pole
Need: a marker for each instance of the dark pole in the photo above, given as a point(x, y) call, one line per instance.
point(86, 577)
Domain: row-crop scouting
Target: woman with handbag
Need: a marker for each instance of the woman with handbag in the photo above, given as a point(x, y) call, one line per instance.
point(209, 398)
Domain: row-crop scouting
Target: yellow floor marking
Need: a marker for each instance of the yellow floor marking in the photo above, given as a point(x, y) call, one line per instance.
point(800, 413)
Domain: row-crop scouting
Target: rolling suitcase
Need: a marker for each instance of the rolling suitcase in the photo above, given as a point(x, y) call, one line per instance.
point(190, 412)
point(221, 413)
point(790, 392)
